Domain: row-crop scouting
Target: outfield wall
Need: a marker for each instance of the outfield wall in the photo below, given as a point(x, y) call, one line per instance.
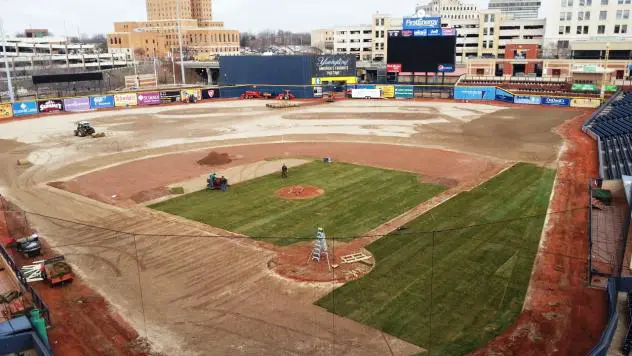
point(389, 91)
point(488, 93)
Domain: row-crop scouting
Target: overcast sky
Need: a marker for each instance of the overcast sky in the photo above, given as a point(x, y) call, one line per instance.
point(69, 17)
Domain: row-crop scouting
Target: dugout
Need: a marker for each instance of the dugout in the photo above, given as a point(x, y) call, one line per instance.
point(301, 74)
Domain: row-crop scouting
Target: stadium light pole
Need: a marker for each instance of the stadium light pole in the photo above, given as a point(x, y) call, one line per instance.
point(184, 81)
point(6, 63)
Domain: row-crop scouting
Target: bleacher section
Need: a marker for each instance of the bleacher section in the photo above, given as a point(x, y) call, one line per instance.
point(611, 126)
point(552, 86)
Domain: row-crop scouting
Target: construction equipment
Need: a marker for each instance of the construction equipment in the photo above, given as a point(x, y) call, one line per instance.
point(286, 95)
point(255, 95)
point(57, 271)
point(84, 128)
point(29, 246)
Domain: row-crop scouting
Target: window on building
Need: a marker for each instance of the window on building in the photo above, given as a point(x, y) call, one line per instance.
point(619, 14)
point(569, 16)
point(601, 29)
point(624, 28)
point(603, 15)
point(377, 22)
point(562, 16)
point(586, 30)
point(580, 16)
point(582, 2)
point(563, 3)
point(579, 30)
point(382, 22)
point(570, 3)
point(617, 28)
point(626, 14)
point(568, 30)
point(604, 2)
point(486, 17)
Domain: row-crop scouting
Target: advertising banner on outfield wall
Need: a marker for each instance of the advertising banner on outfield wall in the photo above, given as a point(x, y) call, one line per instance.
point(149, 98)
point(102, 101)
point(24, 108)
point(475, 93)
point(210, 93)
point(51, 105)
point(5, 111)
point(185, 93)
point(170, 96)
point(404, 91)
point(528, 99)
point(556, 101)
point(127, 99)
point(585, 103)
point(388, 91)
point(77, 104)
point(503, 95)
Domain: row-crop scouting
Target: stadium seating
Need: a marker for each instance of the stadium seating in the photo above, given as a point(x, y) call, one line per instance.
point(612, 124)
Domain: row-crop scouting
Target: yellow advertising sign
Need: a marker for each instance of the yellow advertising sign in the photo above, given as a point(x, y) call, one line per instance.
point(329, 80)
point(126, 99)
point(585, 103)
point(188, 92)
point(5, 111)
point(388, 91)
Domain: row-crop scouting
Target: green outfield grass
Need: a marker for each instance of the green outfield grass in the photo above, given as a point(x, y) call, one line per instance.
point(356, 200)
point(473, 286)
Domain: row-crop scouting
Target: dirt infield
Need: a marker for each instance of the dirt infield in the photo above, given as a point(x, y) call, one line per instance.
point(117, 185)
point(299, 192)
point(561, 316)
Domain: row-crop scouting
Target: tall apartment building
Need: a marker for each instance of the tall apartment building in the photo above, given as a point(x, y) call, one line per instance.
point(517, 9)
point(158, 36)
point(573, 20)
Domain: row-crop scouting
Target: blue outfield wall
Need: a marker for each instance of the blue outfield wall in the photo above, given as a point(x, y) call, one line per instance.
point(271, 70)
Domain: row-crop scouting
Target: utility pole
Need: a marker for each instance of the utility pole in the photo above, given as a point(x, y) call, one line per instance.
point(155, 73)
point(136, 79)
point(173, 66)
point(180, 42)
point(6, 63)
point(605, 73)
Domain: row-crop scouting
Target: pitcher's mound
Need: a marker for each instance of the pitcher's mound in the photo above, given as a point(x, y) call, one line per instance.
point(299, 192)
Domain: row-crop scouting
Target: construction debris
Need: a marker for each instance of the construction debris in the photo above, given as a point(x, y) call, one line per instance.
point(23, 162)
point(356, 257)
point(283, 105)
point(99, 135)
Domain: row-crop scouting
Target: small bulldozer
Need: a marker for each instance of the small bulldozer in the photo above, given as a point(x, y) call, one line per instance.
point(84, 128)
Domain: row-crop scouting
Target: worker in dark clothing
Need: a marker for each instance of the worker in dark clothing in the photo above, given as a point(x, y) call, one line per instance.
point(223, 184)
point(284, 171)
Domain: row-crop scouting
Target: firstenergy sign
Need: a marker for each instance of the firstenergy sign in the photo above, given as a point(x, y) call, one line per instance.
point(420, 23)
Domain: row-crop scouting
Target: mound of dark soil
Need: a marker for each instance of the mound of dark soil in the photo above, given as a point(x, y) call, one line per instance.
point(215, 159)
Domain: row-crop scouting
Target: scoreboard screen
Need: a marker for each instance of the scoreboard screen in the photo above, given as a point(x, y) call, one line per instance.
point(410, 53)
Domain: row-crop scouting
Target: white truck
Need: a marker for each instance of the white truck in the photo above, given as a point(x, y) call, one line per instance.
point(366, 93)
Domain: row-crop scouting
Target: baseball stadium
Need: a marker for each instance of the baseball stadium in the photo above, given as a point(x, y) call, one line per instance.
point(282, 213)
